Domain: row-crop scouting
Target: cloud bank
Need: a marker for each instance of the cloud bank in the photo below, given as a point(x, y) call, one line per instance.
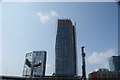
point(100, 57)
point(44, 17)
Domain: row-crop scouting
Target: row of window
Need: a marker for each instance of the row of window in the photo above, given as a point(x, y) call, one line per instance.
point(106, 75)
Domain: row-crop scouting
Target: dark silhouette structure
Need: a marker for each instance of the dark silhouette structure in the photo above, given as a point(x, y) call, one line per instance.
point(83, 64)
point(39, 78)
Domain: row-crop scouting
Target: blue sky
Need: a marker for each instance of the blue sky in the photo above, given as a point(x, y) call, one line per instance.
point(32, 26)
point(0, 38)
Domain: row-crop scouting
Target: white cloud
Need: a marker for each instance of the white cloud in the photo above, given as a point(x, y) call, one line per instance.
point(44, 17)
point(100, 57)
point(53, 13)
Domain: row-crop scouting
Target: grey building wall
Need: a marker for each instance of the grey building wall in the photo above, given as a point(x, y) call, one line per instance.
point(65, 49)
point(35, 57)
point(114, 63)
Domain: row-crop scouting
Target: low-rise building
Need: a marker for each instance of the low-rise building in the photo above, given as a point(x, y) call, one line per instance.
point(104, 74)
point(39, 78)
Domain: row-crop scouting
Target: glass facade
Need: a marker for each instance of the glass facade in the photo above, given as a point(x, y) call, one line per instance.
point(114, 63)
point(65, 49)
point(35, 57)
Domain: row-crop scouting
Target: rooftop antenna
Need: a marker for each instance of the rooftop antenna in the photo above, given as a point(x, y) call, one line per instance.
point(83, 64)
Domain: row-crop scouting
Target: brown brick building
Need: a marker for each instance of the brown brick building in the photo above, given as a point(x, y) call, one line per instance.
point(104, 74)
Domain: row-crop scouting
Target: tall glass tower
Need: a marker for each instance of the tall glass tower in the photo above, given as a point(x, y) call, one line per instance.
point(65, 49)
